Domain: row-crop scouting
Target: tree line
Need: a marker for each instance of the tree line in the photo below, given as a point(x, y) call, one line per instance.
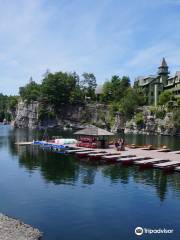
point(68, 88)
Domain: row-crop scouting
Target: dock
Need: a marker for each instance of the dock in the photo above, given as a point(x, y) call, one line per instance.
point(13, 229)
point(132, 159)
point(170, 164)
point(177, 169)
point(151, 161)
point(79, 150)
point(162, 158)
point(176, 152)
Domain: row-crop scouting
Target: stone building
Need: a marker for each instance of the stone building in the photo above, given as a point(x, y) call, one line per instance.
point(153, 85)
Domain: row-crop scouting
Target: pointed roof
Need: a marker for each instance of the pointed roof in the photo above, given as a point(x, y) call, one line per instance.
point(163, 63)
point(93, 131)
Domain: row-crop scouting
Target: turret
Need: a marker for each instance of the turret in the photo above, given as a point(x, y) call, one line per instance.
point(163, 71)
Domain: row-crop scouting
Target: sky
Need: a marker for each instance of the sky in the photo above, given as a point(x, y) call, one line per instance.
point(106, 37)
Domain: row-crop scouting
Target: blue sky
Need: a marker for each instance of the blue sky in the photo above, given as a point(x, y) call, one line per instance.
point(106, 37)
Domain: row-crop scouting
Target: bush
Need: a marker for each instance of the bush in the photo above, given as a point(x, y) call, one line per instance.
point(176, 119)
point(139, 119)
point(160, 114)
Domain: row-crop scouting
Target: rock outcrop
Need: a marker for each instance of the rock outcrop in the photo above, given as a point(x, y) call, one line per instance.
point(68, 116)
point(27, 115)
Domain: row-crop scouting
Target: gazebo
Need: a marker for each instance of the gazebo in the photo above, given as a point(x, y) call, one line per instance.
point(93, 137)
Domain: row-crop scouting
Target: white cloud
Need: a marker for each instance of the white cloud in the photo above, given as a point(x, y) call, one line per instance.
point(105, 37)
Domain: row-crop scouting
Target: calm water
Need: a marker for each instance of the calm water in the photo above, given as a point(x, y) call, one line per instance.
point(69, 200)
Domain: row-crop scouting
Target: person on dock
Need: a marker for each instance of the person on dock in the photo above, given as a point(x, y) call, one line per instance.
point(117, 145)
point(122, 144)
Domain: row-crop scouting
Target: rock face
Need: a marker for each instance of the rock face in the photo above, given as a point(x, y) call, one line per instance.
point(152, 125)
point(119, 123)
point(27, 115)
point(68, 116)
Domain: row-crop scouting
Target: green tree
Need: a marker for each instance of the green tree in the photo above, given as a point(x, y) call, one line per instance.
point(88, 84)
point(139, 119)
point(3, 106)
point(115, 89)
point(61, 88)
point(165, 97)
point(131, 101)
point(31, 91)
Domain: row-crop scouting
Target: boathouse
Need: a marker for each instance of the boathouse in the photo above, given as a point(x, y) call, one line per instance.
point(93, 137)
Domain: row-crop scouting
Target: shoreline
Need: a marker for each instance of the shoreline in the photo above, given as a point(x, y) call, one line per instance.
point(14, 229)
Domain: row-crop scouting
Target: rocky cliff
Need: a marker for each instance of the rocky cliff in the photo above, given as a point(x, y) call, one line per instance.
point(152, 124)
point(27, 116)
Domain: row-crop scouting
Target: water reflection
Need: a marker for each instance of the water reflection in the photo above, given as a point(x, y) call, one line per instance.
point(63, 169)
point(152, 177)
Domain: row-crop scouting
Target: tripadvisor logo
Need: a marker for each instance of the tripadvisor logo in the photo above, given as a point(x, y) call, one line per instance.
point(139, 231)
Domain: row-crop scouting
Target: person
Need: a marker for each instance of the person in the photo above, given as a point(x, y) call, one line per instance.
point(122, 144)
point(116, 145)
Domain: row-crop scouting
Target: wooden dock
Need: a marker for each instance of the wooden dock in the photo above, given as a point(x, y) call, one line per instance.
point(79, 150)
point(150, 161)
point(133, 159)
point(159, 158)
point(177, 169)
point(172, 156)
point(170, 164)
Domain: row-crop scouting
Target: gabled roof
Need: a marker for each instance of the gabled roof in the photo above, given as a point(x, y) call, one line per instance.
point(93, 131)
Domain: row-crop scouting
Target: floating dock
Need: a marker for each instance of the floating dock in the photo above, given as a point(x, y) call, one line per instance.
point(13, 229)
point(162, 158)
point(167, 165)
point(150, 161)
point(177, 169)
point(132, 159)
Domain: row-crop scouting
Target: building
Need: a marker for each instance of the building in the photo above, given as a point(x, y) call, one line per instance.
point(93, 137)
point(154, 85)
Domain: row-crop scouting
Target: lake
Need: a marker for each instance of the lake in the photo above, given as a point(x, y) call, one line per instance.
point(67, 199)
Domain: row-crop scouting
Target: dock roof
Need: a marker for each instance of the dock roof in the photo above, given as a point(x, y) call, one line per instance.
point(94, 131)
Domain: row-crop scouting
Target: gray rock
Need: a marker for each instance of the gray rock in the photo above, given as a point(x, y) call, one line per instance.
point(13, 229)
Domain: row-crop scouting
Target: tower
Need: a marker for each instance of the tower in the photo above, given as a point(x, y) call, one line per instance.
point(162, 80)
point(163, 72)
